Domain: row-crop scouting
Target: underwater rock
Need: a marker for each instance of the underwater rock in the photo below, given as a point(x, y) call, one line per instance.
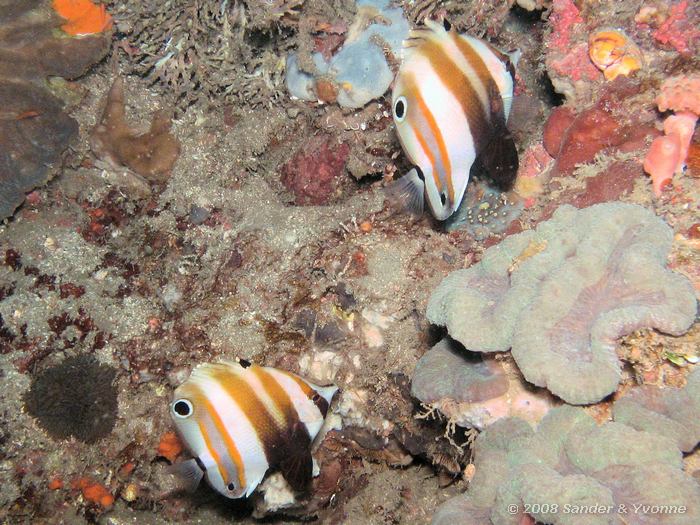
point(359, 71)
point(34, 128)
point(672, 412)
point(571, 471)
point(574, 139)
point(567, 61)
point(485, 211)
point(76, 398)
point(560, 295)
point(313, 174)
point(474, 391)
point(151, 154)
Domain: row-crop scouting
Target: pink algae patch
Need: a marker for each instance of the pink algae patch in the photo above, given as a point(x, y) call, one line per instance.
point(678, 31)
point(564, 16)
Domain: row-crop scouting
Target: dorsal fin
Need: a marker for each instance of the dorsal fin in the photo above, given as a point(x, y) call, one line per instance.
point(432, 30)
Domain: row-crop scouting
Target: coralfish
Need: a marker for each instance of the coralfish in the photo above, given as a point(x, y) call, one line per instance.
point(239, 420)
point(451, 100)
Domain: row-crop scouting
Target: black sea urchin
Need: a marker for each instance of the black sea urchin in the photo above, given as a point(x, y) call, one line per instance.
point(75, 398)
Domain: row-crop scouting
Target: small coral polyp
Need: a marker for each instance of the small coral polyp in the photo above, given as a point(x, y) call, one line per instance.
point(559, 297)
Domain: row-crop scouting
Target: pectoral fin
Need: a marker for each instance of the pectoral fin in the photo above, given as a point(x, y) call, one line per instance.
point(190, 472)
point(408, 191)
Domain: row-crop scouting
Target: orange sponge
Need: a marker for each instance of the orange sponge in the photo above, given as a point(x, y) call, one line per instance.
point(82, 16)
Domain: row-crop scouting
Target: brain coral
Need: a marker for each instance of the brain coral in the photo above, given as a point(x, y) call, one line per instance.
point(472, 390)
point(560, 295)
point(571, 471)
point(671, 412)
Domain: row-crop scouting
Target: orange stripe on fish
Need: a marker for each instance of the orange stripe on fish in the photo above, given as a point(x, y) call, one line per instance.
point(425, 112)
point(212, 450)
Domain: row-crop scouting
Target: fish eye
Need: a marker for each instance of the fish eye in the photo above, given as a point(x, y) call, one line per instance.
point(400, 109)
point(443, 198)
point(231, 487)
point(182, 408)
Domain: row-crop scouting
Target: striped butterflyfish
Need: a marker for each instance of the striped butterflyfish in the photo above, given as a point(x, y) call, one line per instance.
point(451, 100)
point(240, 420)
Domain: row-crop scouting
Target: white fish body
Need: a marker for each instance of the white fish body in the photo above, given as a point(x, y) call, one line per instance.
point(240, 421)
point(451, 101)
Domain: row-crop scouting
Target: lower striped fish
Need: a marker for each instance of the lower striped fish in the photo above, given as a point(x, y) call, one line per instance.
point(240, 420)
point(451, 99)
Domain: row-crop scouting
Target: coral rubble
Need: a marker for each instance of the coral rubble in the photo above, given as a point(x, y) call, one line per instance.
point(560, 295)
point(571, 471)
point(313, 174)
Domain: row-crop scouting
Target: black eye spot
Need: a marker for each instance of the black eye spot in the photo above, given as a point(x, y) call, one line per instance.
point(446, 24)
point(183, 408)
point(244, 363)
point(443, 198)
point(400, 109)
point(231, 487)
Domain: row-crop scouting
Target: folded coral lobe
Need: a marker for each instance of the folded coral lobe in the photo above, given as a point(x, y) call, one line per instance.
point(561, 295)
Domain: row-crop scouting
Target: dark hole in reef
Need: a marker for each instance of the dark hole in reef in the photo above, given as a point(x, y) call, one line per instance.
point(525, 17)
point(550, 96)
point(258, 38)
point(74, 398)
point(368, 179)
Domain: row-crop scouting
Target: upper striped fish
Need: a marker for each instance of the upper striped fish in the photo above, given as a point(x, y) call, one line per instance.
point(451, 100)
point(239, 420)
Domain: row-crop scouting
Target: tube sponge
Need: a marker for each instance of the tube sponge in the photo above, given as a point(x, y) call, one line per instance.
point(359, 72)
point(560, 295)
point(571, 471)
